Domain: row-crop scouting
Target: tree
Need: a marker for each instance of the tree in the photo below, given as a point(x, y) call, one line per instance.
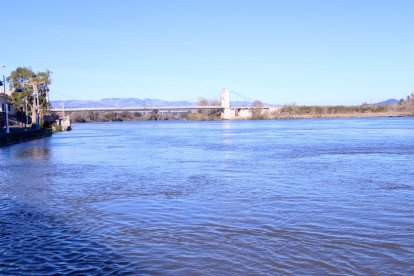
point(112, 117)
point(209, 114)
point(26, 84)
point(154, 116)
point(257, 109)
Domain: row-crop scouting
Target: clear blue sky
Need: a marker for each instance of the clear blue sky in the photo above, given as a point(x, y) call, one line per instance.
point(304, 52)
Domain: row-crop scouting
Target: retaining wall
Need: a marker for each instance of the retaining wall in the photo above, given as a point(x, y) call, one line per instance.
point(22, 135)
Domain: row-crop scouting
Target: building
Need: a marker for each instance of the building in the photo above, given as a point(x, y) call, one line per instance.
point(3, 99)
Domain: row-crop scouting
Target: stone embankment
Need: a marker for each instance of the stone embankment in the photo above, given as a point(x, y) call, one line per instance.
point(22, 135)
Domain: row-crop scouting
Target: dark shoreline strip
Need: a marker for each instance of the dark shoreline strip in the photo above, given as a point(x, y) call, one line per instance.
point(22, 135)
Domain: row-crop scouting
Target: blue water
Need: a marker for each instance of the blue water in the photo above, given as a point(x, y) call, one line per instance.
point(324, 196)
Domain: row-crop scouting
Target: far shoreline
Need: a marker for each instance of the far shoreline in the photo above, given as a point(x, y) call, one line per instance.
point(344, 116)
point(280, 117)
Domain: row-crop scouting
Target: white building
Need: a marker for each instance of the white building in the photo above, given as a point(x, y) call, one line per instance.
point(11, 110)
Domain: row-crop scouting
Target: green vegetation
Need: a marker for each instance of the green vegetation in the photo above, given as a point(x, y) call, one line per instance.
point(100, 116)
point(25, 84)
point(404, 108)
point(407, 104)
point(57, 128)
point(154, 115)
point(340, 109)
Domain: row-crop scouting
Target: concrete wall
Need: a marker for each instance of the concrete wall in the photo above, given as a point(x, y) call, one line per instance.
point(244, 113)
point(228, 114)
point(22, 135)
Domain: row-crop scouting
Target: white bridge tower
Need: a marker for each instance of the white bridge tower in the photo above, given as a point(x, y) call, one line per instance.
point(228, 113)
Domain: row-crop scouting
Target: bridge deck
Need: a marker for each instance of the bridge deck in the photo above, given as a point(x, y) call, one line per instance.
point(145, 108)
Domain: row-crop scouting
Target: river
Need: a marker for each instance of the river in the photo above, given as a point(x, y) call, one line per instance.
point(322, 196)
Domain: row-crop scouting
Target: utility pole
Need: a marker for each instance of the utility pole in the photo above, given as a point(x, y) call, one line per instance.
point(37, 111)
point(26, 115)
point(6, 105)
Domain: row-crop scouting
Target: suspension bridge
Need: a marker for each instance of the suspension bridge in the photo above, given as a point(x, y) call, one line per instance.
point(227, 111)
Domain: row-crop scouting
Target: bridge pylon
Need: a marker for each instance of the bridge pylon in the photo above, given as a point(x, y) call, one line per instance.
point(228, 113)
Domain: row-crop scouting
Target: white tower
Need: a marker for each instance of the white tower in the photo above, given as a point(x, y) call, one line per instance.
point(228, 113)
point(225, 98)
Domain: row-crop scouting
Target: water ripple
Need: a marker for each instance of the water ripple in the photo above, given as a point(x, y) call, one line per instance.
point(310, 197)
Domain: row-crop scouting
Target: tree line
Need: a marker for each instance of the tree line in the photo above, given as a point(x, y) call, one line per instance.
point(290, 111)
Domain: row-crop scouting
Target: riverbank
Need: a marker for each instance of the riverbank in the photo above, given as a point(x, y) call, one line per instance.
point(405, 108)
point(19, 135)
point(276, 115)
point(342, 115)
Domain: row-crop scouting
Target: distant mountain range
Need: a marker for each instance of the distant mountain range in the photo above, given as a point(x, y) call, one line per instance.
point(118, 102)
point(132, 102)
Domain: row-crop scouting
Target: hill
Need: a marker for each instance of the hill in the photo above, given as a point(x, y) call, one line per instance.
point(387, 102)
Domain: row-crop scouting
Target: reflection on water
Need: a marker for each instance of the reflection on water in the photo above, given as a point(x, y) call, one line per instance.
point(38, 154)
point(262, 197)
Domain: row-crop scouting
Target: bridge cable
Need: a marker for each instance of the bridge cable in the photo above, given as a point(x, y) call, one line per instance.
point(242, 96)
